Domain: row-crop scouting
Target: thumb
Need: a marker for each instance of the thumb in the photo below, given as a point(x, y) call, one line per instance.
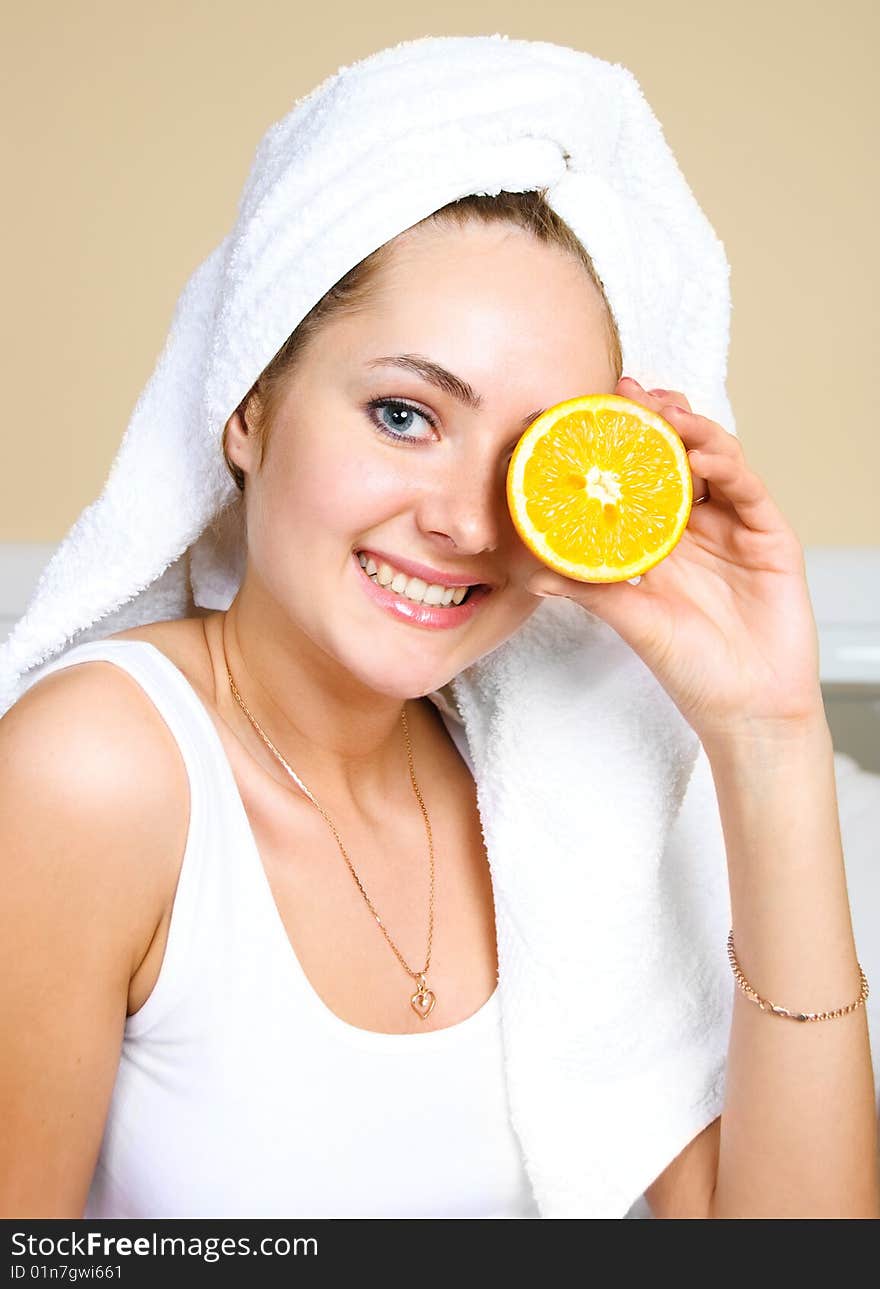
point(554, 584)
point(625, 608)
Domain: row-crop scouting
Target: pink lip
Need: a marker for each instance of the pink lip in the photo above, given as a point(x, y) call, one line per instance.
point(424, 571)
point(422, 615)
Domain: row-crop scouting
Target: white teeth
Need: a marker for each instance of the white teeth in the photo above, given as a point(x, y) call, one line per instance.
point(414, 588)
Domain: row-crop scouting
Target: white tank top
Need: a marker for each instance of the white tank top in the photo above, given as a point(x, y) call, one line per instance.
point(239, 1093)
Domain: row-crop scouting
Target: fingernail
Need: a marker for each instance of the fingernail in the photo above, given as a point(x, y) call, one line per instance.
point(658, 392)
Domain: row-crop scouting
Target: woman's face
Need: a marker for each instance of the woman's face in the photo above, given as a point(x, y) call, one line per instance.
point(517, 322)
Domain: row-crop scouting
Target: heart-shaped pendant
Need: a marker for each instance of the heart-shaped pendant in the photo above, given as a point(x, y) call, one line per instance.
point(423, 1002)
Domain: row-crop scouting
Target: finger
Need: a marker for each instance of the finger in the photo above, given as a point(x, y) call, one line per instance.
point(731, 480)
point(626, 607)
point(652, 398)
point(701, 433)
point(674, 396)
point(699, 483)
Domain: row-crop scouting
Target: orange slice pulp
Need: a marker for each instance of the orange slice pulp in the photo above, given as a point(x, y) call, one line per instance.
point(599, 488)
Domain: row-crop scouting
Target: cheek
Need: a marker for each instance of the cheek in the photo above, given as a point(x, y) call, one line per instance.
point(332, 485)
point(522, 564)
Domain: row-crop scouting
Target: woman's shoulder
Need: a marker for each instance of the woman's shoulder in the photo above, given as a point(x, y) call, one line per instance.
point(94, 818)
point(97, 715)
point(94, 776)
point(184, 641)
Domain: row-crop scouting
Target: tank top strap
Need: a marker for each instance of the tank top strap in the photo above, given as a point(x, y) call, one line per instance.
point(208, 829)
point(163, 682)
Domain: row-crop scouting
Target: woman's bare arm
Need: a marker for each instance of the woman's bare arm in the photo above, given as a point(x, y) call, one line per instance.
point(93, 819)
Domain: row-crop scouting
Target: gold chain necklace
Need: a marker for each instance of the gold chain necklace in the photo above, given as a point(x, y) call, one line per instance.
point(423, 1000)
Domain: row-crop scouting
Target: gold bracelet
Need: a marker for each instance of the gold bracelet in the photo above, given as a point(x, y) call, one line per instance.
point(765, 1005)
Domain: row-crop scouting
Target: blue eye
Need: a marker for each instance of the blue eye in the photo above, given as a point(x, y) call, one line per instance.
point(379, 405)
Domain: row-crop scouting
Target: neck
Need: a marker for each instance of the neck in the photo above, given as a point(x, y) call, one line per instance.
point(345, 741)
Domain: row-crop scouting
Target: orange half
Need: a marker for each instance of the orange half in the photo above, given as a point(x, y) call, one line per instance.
point(600, 488)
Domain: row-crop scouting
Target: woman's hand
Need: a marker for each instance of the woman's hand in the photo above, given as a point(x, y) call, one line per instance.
point(725, 620)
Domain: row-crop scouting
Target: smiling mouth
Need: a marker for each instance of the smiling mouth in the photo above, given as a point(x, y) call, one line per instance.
point(400, 584)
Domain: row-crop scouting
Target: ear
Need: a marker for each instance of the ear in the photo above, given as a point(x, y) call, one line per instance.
point(241, 447)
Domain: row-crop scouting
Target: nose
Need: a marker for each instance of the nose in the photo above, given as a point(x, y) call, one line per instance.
point(468, 506)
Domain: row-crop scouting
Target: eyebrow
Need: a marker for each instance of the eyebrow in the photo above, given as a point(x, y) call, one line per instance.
point(444, 380)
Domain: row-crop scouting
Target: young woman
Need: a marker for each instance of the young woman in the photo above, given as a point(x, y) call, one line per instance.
point(220, 1000)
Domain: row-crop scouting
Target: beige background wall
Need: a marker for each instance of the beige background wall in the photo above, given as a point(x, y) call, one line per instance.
point(129, 130)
